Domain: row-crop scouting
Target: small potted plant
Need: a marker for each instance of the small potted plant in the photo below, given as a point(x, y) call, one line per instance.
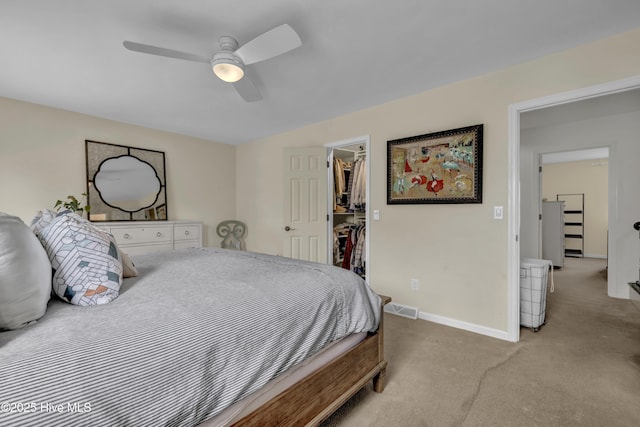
point(73, 204)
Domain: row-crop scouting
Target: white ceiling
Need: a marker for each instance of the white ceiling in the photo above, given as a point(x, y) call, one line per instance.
point(355, 54)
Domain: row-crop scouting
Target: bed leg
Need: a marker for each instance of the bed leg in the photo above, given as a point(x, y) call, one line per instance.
point(378, 379)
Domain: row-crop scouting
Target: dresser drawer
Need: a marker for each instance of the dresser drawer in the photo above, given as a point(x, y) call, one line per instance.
point(134, 250)
point(186, 232)
point(139, 237)
point(142, 235)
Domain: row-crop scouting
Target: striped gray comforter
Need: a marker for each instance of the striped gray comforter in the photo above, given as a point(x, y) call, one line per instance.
point(196, 331)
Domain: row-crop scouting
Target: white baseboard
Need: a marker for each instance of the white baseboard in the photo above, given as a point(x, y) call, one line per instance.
point(478, 329)
point(595, 256)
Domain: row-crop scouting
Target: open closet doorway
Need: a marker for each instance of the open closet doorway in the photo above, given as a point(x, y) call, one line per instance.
point(348, 204)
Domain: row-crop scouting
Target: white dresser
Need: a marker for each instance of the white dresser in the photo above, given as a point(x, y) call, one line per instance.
point(139, 237)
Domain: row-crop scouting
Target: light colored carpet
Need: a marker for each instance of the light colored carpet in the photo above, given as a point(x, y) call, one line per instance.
point(581, 369)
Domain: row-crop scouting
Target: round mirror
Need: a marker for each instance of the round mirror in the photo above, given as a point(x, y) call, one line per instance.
point(127, 183)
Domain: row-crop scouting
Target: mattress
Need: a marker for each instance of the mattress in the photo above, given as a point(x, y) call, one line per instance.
point(197, 331)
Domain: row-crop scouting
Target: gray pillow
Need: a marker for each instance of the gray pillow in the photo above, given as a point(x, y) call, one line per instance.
point(25, 274)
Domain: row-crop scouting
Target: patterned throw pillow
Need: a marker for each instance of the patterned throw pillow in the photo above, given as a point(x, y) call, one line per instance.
point(87, 269)
point(44, 217)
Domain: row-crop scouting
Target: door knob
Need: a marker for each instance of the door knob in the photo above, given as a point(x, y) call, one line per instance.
point(287, 228)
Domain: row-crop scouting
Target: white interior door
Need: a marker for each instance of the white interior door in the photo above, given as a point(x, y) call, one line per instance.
point(305, 204)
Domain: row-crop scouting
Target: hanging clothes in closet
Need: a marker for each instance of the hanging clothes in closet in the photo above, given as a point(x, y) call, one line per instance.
point(357, 188)
point(349, 208)
point(350, 247)
point(341, 172)
point(341, 234)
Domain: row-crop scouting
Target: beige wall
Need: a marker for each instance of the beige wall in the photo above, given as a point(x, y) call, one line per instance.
point(42, 159)
point(591, 178)
point(458, 252)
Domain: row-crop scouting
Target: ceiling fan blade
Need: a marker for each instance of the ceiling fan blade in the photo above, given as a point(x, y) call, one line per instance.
point(161, 51)
point(247, 90)
point(272, 43)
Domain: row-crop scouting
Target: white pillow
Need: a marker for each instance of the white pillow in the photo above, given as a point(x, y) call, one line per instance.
point(42, 219)
point(25, 274)
point(128, 267)
point(87, 269)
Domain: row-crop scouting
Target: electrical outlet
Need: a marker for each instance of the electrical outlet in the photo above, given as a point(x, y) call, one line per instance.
point(415, 284)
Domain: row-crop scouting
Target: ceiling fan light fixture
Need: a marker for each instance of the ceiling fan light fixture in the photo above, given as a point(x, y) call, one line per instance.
point(227, 67)
point(228, 63)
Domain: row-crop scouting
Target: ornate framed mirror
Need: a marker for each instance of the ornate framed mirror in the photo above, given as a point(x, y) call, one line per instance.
point(125, 183)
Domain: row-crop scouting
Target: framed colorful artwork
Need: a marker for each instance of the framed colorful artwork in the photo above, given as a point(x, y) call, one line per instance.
point(440, 167)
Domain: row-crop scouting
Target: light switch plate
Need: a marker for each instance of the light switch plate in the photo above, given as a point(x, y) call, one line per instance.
point(498, 212)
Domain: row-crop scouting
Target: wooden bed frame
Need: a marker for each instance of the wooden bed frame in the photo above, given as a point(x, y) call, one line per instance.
point(316, 397)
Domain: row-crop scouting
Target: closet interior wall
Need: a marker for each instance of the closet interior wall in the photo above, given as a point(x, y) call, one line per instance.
point(348, 218)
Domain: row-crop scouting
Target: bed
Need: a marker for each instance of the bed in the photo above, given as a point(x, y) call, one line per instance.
point(201, 337)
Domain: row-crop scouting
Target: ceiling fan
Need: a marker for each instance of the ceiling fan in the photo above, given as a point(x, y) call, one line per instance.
point(230, 61)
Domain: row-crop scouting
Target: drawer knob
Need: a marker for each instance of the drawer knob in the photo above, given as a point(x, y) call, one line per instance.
point(158, 234)
point(126, 235)
point(186, 232)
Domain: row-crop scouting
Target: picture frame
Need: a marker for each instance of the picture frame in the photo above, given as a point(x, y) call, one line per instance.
point(161, 212)
point(436, 168)
point(150, 214)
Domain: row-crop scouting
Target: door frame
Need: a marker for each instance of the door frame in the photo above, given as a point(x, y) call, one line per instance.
point(358, 140)
point(513, 203)
point(568, 156)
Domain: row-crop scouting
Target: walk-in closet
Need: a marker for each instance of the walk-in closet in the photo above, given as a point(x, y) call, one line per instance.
point(348, 219)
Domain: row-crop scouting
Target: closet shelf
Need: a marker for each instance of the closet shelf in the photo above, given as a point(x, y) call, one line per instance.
point(574, 228)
